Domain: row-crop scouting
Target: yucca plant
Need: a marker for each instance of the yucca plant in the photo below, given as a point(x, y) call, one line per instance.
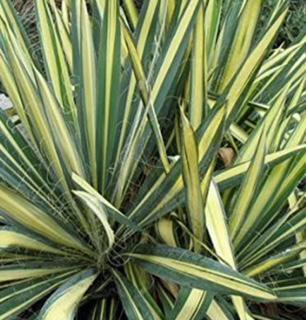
point(113, 201)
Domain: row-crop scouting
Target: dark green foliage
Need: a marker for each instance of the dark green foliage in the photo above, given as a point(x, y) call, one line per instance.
point(295, 25)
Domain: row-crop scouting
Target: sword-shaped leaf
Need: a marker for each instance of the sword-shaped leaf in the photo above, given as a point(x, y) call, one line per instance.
point(191, 269)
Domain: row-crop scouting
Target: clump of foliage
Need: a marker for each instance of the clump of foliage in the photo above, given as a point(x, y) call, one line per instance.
point(294, 27)
point(296, 21)
point(113, 203)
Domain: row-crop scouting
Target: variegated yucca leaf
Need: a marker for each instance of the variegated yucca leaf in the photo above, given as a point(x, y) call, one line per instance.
point(114, 201)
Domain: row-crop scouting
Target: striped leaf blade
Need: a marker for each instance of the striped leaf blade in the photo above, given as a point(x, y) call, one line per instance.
point(190, 164)
point(14, 238)
point(98, 210)
point(191, 304)
point(133, 301)
point(242, 41)
point(218, 230)
point(216, 311)
point(33, 218)
point(31, 270)
point(63, 303)
point(84, 70)
point(251, 65)
point(19, 296)
point(107, 88)
point(249, 187)
point(190, 269)
point(199, 74)
point(54, 58)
